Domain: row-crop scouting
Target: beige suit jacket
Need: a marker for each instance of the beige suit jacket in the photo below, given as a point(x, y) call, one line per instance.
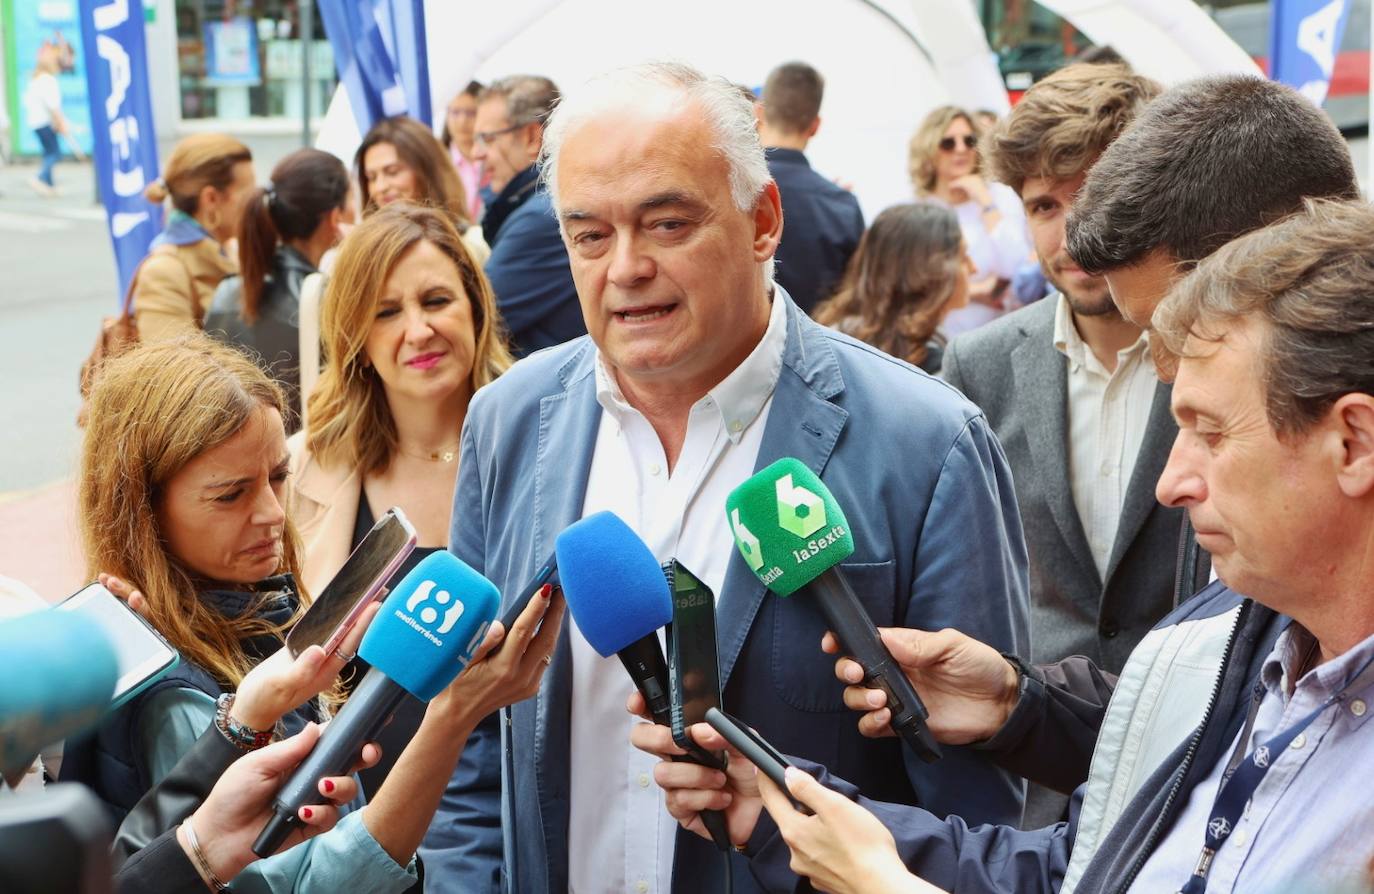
point(323, 504)
point(170, 279)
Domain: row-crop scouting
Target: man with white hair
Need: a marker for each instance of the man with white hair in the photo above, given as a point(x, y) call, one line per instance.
point(697, 371)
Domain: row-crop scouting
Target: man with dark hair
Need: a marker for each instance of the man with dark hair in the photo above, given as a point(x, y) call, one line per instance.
point(824, 222)
point(1087, 428)
point(1210, 160)
point(528, 267)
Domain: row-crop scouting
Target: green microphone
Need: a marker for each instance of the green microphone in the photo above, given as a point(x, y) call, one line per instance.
point(792, 534)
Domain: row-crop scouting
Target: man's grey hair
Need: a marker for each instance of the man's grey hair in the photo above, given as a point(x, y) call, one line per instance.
point(673, 85)
point(529, 98)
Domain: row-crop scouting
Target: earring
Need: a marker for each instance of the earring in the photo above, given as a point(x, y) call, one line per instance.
point(213, 220)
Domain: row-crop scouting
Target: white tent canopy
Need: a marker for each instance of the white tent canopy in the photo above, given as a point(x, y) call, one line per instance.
point(886, 62)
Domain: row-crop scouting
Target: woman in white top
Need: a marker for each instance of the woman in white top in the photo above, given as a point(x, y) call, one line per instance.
point(944, 166)
point(43, 114)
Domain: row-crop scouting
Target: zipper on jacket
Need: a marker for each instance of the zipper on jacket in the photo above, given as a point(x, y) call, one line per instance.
point(1186, 766)
point(1185, 570)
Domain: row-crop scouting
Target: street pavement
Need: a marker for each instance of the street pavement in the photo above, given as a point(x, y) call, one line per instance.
point(57, 280)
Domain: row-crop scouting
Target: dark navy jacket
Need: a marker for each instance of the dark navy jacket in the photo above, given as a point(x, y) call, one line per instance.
point(528, 267)
point(1103, 845)
point(821, 228)
point(938, 543)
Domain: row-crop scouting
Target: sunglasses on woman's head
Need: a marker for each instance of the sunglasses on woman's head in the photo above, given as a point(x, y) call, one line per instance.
point(947, 144)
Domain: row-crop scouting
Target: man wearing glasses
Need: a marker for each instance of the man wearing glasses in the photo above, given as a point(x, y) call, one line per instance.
point(528, 267)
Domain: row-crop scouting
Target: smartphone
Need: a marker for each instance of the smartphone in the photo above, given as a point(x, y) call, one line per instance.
point(141, 652)
point(749, 743)
point(547, 573)
point(693, 665)
point(361, 580)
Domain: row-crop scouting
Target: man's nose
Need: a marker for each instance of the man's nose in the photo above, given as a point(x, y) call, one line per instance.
point(1181, 484)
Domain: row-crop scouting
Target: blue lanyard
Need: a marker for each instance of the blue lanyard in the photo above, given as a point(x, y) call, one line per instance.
point(1241, 779)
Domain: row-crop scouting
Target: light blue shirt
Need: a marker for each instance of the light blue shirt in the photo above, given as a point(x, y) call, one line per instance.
point(346, 858)
point(1310, 825)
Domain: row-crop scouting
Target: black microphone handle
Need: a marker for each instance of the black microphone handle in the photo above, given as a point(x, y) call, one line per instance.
point(859, 639)
point(360, 719)
point(644, 659)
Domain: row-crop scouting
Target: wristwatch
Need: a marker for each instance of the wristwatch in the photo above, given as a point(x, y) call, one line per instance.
point(244, 738)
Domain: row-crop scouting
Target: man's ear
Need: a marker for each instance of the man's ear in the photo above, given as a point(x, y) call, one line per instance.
point(767, 222)
point(813, 127)
point(1353, 416)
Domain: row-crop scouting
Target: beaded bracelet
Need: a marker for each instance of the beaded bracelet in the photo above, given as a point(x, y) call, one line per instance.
point(242, 737)
point(199, 861)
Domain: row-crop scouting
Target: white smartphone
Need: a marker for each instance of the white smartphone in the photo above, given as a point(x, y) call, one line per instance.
point(361, 580)
point(142, 653)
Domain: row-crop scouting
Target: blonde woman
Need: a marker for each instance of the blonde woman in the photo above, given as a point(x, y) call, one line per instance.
point(183, 479)
point(945, 169)
point(410, 330)
point(207, 181)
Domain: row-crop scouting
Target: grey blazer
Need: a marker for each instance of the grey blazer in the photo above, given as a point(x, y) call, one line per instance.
point(1011, 370)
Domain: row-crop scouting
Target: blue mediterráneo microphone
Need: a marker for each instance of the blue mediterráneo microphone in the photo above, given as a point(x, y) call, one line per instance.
point(619, 597)
point(422, 638)
point(59, 671)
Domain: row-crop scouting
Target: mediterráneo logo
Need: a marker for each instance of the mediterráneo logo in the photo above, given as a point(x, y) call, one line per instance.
point(429, 614)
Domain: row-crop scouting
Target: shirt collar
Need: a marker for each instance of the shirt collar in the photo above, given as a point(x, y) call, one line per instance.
point(739, 398)
point(1068, 342)
point(1353, 670)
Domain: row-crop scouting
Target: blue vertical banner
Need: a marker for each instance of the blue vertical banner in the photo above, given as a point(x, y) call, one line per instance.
point(1304, 37)
point(381, 57)
point(125, 143)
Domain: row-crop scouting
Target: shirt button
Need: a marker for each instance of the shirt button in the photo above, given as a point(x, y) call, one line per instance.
point(1239, 837)
point(643, 780)
point(1300, 741)
point(1357, 707)
point(736, 425)
point(641, 886)
point(655, 469)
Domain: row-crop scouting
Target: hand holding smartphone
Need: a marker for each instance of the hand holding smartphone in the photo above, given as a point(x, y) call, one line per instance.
point(360, 581)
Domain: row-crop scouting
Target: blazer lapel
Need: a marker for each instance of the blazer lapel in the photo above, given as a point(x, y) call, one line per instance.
point(1040, 369)
point(1149, 465)
point(568, 422)
point(802, 423)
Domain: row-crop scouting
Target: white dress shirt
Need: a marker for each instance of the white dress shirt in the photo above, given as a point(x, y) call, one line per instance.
point(1108, 413)
point(621, 838)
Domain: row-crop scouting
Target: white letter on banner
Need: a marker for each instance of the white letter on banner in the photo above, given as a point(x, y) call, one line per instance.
point(1317, 35)
point(111, 14)
point(111, 51)
point(123, 222)
point(123, 132)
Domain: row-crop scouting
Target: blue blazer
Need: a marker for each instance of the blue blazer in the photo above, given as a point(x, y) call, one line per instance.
point(938, 544)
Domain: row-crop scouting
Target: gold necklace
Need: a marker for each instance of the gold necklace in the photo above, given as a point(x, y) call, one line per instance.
point(446, 455)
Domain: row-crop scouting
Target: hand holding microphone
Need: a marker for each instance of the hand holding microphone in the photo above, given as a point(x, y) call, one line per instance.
point(426, 632)
point(968, 686)
point(792, 534)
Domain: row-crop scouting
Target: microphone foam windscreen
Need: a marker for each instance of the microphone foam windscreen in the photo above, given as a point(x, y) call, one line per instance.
point(430, 624)
point(614, 586)
point(59, 671)
point(788, 526)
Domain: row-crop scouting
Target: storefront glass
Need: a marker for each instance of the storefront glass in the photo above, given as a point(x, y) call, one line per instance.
point(242, 60)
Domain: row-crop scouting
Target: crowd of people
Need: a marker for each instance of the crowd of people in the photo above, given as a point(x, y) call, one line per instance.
point(1098, 398)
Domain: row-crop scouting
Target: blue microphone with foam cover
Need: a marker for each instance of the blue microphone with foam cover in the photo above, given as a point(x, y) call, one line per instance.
point(59, 671)
point(422, 638)
point(619, 597)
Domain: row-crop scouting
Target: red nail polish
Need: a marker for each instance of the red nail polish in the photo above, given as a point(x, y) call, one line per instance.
point(308, 812)
point(328, 786)
point(546, 591)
